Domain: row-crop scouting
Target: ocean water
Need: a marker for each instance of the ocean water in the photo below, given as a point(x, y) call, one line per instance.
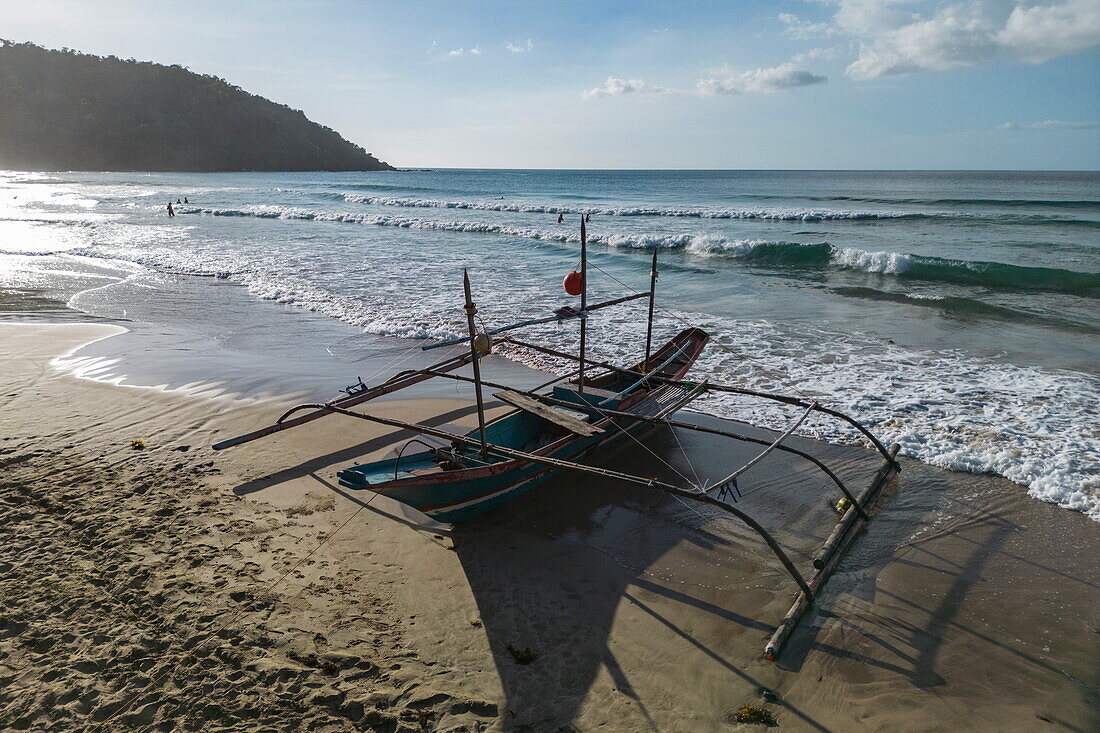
point(956, 313)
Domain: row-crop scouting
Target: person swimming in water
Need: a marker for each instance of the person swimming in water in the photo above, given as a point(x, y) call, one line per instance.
point(561, 218)
point(185, 200)
point(588, 217)
point(171, 211)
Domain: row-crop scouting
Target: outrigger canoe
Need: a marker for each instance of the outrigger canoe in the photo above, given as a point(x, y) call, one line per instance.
point(454, 475)
point(453, 484)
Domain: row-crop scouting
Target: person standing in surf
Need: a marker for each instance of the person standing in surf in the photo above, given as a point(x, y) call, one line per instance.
point(171, 211)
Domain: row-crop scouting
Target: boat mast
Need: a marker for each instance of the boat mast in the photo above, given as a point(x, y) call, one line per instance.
point(584, 301)
point(649, 323)
point(471, 311)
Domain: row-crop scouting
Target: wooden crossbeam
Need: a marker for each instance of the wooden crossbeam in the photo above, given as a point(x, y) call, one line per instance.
point(567, 421)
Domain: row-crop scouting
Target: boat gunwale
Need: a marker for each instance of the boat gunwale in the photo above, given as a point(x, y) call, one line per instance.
point(475, 473)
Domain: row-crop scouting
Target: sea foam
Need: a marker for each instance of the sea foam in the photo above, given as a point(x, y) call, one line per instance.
point(760, 252)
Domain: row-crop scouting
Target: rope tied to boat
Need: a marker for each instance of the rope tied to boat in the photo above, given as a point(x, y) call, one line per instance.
point(728, 349)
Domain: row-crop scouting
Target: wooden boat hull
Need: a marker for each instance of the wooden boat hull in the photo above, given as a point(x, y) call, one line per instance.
point(450, 499)
point(462, 494)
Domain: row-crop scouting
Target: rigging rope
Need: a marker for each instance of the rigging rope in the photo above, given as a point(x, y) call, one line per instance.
point(648, 449)
point(733, 476)
point(777, 377)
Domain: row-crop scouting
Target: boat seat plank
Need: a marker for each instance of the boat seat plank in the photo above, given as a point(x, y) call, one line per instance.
point(558, 417)
point(588, 390)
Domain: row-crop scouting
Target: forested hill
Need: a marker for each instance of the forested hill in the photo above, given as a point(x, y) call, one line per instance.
point(63, 110)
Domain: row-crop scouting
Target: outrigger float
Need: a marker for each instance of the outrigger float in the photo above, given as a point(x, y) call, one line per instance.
point(454, 476)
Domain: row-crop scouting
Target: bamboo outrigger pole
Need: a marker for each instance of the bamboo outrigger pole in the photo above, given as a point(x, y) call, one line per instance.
point(584, 301)
point(668, 422)
point(787, 400)
point(803, 601)
point(649, 322)
point(398, 381)
point(471, 311)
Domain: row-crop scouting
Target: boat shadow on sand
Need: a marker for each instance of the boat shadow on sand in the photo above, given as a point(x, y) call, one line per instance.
point(604, 602)
point(601, 600)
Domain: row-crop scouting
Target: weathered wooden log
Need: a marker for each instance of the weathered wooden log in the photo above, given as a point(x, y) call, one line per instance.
point(850, 516)
point(803, 601)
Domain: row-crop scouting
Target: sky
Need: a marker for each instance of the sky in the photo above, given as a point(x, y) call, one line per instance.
point(821, 84)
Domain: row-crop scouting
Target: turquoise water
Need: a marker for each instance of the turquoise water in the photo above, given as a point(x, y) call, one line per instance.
point(957, 312)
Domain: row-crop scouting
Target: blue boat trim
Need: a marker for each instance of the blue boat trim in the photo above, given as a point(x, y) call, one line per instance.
point(456, 484)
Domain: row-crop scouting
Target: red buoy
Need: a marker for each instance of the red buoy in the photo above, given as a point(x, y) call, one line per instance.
point(572, 283)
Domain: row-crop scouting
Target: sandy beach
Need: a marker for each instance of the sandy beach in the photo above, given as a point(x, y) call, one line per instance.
point(172, 588)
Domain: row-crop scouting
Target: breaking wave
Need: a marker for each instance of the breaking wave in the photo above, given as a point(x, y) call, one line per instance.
point(759, 252)
point(916, 267)
point(698, 213)
point(1085, 204)
point(964, 307)
point(777, 214)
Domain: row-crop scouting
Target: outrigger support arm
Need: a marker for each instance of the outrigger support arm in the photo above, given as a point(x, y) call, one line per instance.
point(584, 303)
point(676, 424)
point(724, 388)
point(651, 483)
point(649, 320)
point(398, 381)
point(471, 312)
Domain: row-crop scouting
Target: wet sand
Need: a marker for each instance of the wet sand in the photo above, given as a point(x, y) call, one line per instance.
point(246, 590)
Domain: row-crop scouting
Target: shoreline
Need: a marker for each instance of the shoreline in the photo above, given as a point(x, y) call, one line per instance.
point(964, 594)
point(985, 374)
point(143, 353)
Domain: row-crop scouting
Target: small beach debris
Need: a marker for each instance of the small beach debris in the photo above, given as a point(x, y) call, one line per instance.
point(522, 656)
point(769, 695)
point(842, 505)
point(476, 623)
point(753, 714)
point(137, 444)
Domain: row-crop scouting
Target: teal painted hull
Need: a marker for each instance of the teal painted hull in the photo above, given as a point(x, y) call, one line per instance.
point(460, 493)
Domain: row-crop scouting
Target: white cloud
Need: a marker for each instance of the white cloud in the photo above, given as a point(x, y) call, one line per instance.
point(614, 87)
point(775, 79)
point(520, 48)
point(805, 29)
point(1052, 125)
point(1041, 32)
point(895, 40)
point(814, 54)
point(459, 52)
